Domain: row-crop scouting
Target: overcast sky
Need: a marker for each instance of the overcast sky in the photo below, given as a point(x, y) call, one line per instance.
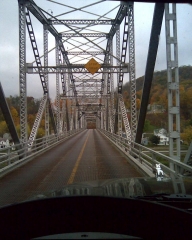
point(9, 44)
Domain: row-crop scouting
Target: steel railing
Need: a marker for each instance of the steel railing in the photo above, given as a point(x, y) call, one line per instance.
point(144, 157)
point(11, 156)
point(147, 158)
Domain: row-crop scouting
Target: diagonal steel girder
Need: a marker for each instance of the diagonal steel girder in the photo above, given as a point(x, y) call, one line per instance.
point(35, 10)
point(35, 50)
point(37, 121)
point(7, 116)
point(150, 65)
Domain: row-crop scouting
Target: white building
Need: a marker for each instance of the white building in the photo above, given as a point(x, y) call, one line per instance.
point(162, 133)
point(3, 143)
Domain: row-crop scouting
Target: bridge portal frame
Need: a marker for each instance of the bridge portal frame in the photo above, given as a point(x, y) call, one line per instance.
point(125, 12)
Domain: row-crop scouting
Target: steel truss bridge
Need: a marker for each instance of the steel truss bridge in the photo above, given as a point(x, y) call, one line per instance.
point(83, 98)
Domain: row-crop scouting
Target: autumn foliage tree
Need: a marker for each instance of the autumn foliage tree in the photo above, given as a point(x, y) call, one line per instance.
point(159, 96)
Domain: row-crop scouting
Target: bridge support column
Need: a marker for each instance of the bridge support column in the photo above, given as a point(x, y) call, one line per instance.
point(107, 115)
point(111, 100)
point(22, 72)
point(119, 118)
point(84, 122)
point(173, 81)
point(76, 119)
point(57, 86)
point(102, 120)
point(117, 113)
point(98, 121)
point(132, 69)
point(45, 39)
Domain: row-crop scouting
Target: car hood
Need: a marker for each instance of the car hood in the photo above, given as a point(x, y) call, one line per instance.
point(124, 187)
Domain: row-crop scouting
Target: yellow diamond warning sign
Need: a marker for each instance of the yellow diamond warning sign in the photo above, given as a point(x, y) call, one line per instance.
point(92, 66)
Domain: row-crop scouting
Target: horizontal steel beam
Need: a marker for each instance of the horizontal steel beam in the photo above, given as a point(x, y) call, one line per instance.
point(97, 97)
point(86, 53)
point(98, 81)
point(69, 35)
point(76, 69)
point(81, 22)
point(88, 92)
point(88, 86)
point(89, 104)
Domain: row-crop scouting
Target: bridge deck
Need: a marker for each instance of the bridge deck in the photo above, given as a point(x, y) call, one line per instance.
point(86, 157)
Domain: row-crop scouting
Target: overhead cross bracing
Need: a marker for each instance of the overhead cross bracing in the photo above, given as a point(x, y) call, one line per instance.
point(81, 33)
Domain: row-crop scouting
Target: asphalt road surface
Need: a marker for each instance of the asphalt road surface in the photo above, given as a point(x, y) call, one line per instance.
point(87, 156)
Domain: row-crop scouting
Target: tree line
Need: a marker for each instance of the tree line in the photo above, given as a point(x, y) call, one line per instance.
point(158, 95)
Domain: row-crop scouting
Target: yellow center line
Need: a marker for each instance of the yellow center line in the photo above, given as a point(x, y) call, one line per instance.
point(72, 176)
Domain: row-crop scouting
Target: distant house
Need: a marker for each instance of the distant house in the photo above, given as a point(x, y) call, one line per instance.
point(155, 108)
point(3, 143)
point(162, 133)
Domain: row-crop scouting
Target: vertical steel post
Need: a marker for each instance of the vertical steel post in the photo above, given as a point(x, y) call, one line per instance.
point(22, 72)
point(101, 119)
point(76, 118)
point(111, 100)
point(119, 115)
point(63, 116)
point(172, 81)
point(132, 69)
point(69, 93)
point(45, 38)
point(57, 86)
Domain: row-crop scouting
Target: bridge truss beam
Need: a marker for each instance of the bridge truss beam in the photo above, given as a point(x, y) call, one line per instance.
point(81, 22)
point(77, 69)
point(22, 72)
point(78, 87)
point(45, 43)
point(150, 65)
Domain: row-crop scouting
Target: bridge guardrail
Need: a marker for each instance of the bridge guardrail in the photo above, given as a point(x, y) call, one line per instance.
point(137, 153)
point(12, 156)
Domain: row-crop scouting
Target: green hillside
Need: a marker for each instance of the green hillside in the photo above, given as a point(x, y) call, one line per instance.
point(160, 78)
point(158, 97)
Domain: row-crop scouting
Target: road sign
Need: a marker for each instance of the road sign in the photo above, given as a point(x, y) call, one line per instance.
point(92, 66)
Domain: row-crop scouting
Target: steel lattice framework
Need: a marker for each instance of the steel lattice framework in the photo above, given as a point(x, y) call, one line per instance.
point(22, 72)
point(172, 81)
point(45, 35)
point(83, 97)
point(79, 88)
point(132, 69)
point(84, 60)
